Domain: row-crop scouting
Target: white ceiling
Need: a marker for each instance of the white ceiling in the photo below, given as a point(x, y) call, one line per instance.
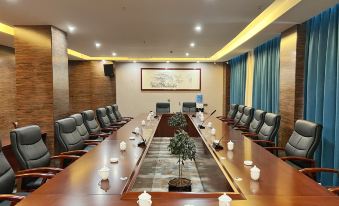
point(153, 28)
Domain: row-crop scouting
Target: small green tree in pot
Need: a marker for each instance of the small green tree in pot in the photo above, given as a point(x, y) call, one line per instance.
point(182, 146)
point(178, 121)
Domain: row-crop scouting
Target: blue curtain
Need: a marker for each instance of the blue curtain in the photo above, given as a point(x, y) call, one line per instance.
point(266, 76)
point(322, 86)
point(238, 79)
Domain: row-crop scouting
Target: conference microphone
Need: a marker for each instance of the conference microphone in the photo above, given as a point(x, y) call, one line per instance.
point(216, 145)
point(143, 142)
point(203, 127)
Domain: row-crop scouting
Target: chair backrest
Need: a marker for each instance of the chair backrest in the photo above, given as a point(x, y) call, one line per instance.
point(269, 129)
point(81, 128)
point(162, 107)
point(116, 112)
point(29, 148)
point(7, 176)
point(188, 106)
point(233, 111)
point(304, 139)
point(110, 114)
point(257, 121)
point(247, 117)
point(67, 135)
point(239, 113)
point(102, 117)
point(90, 121)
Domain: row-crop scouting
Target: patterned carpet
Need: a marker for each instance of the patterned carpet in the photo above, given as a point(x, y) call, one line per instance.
point(159, 166)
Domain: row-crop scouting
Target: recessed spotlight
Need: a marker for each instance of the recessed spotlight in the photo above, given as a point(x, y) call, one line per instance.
point(134, 61)
point(167, 61)
point(187, 54)
point(198, 62)
point(114, 54)
point(71, 28)
point(97, 45)
point(192, 44)
point(198, 28)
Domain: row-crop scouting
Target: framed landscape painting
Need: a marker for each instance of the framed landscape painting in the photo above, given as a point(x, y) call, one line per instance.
point(157, 79)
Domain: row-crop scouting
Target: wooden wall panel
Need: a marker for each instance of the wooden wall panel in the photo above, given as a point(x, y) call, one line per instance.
point(226, 88)
point(291, 80)
point(89, 87)
point(41, 77)
point(60, 74)
point(7, 91)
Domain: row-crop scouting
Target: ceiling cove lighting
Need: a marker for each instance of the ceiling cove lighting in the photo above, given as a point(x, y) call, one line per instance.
point(268, 16)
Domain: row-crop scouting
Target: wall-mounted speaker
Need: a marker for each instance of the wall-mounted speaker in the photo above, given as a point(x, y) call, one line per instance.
point(109, 70)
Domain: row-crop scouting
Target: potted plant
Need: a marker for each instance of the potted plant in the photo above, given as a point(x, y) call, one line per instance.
point(182, 146)
point(177, 121)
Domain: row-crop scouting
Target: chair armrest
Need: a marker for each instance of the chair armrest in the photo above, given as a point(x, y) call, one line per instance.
point(335, 190)
point(289, 158)
point(275, 148)
point(36, 175)
point(75, 152)
point(312, 171)
point(12, 198)
point(93, 140)
point(91, 143)
point(263, 141)
point(250, 134)
point(107, 129)
point(99, 135)
point(52, 170)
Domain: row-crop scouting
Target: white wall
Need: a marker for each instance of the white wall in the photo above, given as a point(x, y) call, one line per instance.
point(132, 101)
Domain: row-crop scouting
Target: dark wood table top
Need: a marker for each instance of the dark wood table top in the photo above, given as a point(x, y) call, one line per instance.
point(279, 183)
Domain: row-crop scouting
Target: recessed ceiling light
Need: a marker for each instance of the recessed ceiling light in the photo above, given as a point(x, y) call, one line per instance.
point(187, 54)
point(198, 62)
point(192, 44)
point(134, 61)
point(114, 54)
point(198, 28)
point(97, 45)
point(71, 29)
point(167, 61)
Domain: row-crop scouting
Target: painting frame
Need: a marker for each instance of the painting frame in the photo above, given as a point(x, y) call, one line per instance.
point(195, 70)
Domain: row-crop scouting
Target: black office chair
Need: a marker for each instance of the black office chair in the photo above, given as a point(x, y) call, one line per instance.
point(237, 116)
point(112, 118)
point(92, 125)
point(69, 139)
point(82, 130)
point(103, 119)
point(302, 144)
point(246, 118)
point(256, 123)
point(311, 172)
point(268, 131)
point(32, 153)
point(162, 108)
point(188, 107)
point(231, 113)
point(118, 115)
point(9, 195)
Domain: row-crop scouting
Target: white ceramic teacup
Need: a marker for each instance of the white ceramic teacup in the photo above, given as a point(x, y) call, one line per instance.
point(209, 124)
point(255, 173)
point(104, 173)
point(213, 131)
point(123, 146)
point(225, 200)
point(144, 202)
point(230, 145)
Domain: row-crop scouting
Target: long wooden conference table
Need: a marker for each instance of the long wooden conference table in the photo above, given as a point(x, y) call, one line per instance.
point(279, 183)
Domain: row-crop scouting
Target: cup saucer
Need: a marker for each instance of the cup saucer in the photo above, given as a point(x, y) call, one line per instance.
point(114, 160)
point(248, 162)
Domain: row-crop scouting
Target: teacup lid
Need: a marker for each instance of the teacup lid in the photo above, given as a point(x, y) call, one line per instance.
point(209, 123)
point(213, 129)
point(104, 168)
point(255, 169)
point(225, 198)
point(230, 142)
point(122, 143)
point(145, 196)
